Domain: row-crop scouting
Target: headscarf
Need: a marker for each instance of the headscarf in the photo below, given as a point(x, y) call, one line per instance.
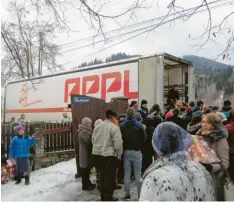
point(169, 138)
point(138, 116)
point(86, 124)
point(97, 122)
point(17, 128)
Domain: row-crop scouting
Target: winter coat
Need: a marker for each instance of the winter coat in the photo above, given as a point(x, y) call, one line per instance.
point(144, 112)
point(173, 178)
point(193, 128)
point(151, 122)
point(133, 134)
point(225, 110)
point(173, 94)
point(177, 120)
point(107, 140)
point(230, 139)
point(196, 111)
point(19, 146)
point(85, 146)
point(217, 140)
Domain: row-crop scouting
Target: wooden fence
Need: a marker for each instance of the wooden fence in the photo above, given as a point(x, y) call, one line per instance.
point(57, 137)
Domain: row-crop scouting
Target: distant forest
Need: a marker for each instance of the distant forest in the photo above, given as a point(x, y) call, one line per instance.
point(113, 57)
point(214, 72)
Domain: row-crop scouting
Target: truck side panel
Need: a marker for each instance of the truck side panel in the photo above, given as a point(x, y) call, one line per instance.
point(46, 99)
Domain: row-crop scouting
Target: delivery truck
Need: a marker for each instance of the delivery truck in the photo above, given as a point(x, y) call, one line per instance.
point(46, 98)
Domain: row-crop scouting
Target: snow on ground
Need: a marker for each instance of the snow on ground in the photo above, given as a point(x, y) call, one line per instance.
point(55, 183)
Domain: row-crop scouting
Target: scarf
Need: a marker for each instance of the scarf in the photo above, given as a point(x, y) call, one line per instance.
point(192, 128)
point(83, 127)
point(179, 159)
point(214, 135)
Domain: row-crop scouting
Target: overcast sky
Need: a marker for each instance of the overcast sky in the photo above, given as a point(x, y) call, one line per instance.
point(174, 38)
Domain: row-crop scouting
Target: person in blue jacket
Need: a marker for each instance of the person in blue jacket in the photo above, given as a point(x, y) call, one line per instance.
point(19, 151)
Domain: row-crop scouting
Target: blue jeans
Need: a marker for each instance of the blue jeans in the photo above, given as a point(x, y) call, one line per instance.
point(132, 158)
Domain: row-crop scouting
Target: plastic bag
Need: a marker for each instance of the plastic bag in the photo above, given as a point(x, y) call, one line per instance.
point(200, 151)
point(4, 174)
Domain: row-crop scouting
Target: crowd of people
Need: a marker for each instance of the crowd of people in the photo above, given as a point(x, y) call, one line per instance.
point(149, 147)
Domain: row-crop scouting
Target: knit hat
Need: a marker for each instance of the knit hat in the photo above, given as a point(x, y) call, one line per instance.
point(138, 116)
point(130, 112)
point(169, 114)
point(110, 113)
point(144, 102)
point(133, 103)
point(192, 104)
point(19, 127)
point(170, 138)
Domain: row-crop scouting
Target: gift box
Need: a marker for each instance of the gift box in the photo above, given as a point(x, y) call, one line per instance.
point(200, 151)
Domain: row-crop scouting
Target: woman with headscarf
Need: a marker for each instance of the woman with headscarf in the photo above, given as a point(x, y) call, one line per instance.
point(230, 139)
point(216, 136)
point(85, 151)
point(172, 177)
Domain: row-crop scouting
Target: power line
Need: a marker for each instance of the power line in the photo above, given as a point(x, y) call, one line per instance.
point(151, 27)
point(137, 24)
point(145, 32)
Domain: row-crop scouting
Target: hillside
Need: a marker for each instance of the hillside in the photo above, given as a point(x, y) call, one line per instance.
point(201, 62)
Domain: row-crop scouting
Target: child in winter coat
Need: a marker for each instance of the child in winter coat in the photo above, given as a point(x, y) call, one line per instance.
point(19, 150)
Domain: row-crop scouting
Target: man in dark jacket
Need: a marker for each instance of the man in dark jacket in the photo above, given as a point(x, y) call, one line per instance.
point(144, 109)
point(151, 122)
point(173, 94)
point(133, 140)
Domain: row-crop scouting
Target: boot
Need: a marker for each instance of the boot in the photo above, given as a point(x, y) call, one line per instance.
point(27, 182)
point(77, 176)
point(18, 179)
point(89, 187)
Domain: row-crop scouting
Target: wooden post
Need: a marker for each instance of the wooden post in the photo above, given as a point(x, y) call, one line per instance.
point(39, 151)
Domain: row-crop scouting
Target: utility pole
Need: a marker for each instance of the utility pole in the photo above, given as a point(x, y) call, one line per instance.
point(40, 53)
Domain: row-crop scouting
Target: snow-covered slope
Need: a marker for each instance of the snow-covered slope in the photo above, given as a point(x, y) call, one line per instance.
point(55, 183)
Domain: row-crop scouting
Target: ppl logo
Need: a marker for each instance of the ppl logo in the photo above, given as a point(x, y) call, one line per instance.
point(99, 85)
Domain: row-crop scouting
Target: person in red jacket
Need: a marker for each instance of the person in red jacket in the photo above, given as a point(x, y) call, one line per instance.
point(230, 139)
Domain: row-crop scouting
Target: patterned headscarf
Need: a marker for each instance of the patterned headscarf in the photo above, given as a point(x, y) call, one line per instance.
point(169, 138)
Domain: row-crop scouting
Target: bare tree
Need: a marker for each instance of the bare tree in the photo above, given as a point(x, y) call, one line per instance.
point(92, 13)
point(27, 46)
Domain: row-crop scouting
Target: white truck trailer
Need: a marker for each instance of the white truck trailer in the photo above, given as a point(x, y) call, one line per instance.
point(46, 98)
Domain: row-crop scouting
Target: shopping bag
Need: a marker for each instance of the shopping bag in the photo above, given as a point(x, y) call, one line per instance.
point(200, 151)
point(11, 168)
point(228, 187)
point(4, 174)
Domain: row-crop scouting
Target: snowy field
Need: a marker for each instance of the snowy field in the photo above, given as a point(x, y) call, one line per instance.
point(55, 183)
